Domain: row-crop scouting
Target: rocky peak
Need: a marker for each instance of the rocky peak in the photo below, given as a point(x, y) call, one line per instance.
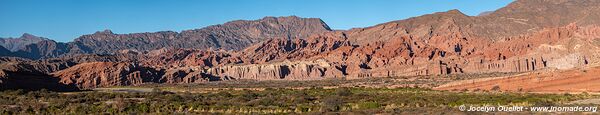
point(455, 12)
point(29, 36)
point(107, 31)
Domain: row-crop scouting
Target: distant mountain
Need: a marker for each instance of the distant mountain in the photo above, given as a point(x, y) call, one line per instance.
point(49, 49)
point(232, 35)
point(485, 13)
point(4, 51)
point(14, 44)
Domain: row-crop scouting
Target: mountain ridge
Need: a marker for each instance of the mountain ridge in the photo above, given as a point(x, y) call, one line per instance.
point(233, 35)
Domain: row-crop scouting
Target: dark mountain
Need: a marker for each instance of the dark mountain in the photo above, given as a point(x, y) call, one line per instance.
point(14, 44)
point(4, 51)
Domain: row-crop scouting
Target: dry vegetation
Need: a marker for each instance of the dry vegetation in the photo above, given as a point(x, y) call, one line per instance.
point(268, 101)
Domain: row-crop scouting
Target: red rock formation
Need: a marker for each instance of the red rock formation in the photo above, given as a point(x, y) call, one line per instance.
point(104, 74)
point(169, 58)
point(299, 70)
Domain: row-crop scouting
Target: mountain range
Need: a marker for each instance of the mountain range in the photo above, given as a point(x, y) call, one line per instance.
point(525, 36)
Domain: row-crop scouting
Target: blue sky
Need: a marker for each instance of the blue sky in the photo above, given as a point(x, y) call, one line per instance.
point(64, 20)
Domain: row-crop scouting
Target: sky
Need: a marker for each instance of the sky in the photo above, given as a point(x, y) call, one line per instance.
point(65, 20)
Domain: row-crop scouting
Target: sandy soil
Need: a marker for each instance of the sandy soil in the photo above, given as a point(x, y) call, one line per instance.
point(550, 81)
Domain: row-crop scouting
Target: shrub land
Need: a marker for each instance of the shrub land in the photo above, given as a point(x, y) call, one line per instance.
point(268, 101)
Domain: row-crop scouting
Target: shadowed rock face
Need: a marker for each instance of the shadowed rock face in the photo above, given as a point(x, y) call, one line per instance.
point(527, 35)
point(104, 74)
point(32, 81)
point(4, 51)
point(18, 73)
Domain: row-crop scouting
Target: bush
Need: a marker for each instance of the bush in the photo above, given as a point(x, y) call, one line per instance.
point(332, 103)
point(343, 92)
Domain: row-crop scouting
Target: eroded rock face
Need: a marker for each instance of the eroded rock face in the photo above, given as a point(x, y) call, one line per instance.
point(104, 74)
point(298, 70)
point(170, 58)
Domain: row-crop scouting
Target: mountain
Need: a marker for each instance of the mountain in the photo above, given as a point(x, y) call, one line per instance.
point(4, 51)
point(519, 17)
point(525, 36)
point(14, 44)
point(232, 35)
point(523, 16)
point(485, 13)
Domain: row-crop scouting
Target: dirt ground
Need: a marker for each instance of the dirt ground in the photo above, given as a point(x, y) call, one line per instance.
point(581, 80)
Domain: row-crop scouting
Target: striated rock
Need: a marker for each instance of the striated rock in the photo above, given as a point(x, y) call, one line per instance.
point(294, 49)
point(169, 58)
point(298, 70)
point(104, 74)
